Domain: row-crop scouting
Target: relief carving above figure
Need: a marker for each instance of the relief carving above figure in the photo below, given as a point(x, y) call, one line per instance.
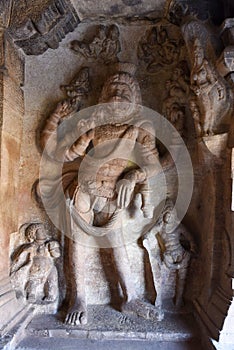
point(170, 247)
point(33, 269)
point(105, 46)
point(76, 92)
point(206, 86)
point(107, 181)
point(79, 86)
point(178, 91)
point(158, 50)
point(213, 95)
point(36, 35)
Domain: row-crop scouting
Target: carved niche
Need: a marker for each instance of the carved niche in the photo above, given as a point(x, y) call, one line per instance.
point(108, 192)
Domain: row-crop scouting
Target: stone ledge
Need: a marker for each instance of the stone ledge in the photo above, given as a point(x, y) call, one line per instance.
point(106, 323)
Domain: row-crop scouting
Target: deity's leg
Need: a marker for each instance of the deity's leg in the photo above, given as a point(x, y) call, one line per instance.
point(124, 270)
point(158, 284)
point(180, 286)
point(157, 268)
point(158, 272)
point(77, 313)
point(51, 292)
point(31, 290)
point(132, 304)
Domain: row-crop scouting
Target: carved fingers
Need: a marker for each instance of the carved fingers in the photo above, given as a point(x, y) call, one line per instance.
point(150, 243)
point(148, 211)
point(125, 190)
point(76, 318)
point(65, 108)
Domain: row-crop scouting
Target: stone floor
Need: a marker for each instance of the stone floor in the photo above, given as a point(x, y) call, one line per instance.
point(110, 329)
point(81, 344)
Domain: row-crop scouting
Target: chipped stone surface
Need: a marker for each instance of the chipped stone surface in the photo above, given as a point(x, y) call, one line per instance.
point(108, 323)
point(25, 105)
point(87, 9)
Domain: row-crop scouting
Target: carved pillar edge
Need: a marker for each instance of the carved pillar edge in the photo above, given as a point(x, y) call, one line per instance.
point(11, 310)
point(213, 317)
point(10, 307)
point(207, 327)
point(1, 77)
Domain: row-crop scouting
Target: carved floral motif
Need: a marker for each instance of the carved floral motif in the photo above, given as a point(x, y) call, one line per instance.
point(158, 50)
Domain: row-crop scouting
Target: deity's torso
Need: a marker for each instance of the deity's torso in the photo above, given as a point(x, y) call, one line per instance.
point(113, 145)
point(41, 261)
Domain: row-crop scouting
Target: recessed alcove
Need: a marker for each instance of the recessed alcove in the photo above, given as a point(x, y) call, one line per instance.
point(59, 51)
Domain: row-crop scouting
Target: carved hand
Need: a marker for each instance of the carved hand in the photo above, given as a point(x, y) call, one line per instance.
point(65, 108)
point(148, 211)
point(125, 190)
point(149, 241)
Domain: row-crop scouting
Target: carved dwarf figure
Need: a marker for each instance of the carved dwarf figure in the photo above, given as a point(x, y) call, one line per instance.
point(177, 94)
point(174, 113)
point(158, 50)
point(178, 87)
point(34, 261)
point(105, 45)
point(106, 179)
point(95, 47)
point(111, 45)
point(169, 246)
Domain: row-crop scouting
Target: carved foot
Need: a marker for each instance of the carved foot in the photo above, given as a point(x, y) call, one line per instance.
point(49, 299)
point(77, 315)
point(31, 298)
point(142, 309)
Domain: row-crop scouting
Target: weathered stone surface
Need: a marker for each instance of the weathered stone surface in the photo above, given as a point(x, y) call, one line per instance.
point(107, 323)
point(87, 9)
point(196, 107)
point(44, 29)
point(42, 94)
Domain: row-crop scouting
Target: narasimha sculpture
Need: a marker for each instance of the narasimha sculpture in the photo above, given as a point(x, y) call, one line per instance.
point(108, 180)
